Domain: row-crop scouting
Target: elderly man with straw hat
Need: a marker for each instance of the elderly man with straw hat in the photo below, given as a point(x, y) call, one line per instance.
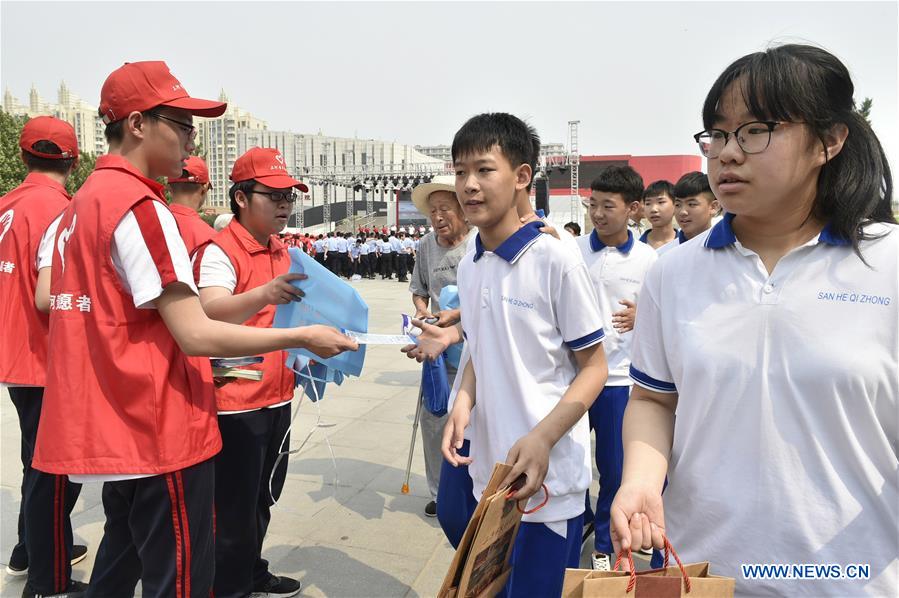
point(438, 257)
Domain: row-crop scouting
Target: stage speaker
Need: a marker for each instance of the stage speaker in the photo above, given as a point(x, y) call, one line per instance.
point(542, 194)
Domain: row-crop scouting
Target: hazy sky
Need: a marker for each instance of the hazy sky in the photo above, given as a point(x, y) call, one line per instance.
point(634, 73)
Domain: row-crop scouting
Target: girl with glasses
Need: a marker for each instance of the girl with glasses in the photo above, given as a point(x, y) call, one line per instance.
point(774, 338)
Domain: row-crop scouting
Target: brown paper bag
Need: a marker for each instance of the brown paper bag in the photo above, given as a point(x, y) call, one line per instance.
point(690, 581)
point(480, 566)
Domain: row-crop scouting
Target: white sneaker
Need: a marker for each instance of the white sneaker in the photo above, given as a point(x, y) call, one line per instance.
point(601, 562)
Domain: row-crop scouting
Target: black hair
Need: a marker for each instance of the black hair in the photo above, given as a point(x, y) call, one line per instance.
point(800, 83)
point(692, 184)
point(34, 163)
point(575, 227)
point(619, 179)
point(319, 236)
point(243, 186)
point(114, 132)
point(657, 188)
point(185, 187)
point(517, 140)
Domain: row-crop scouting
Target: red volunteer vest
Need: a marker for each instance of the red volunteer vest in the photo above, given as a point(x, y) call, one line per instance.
point(121, 395)
point(25, 213)
point(194, 230)
point(255, 265)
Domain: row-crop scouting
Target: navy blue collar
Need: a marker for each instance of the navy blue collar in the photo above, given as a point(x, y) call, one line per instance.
point(722, 235)
point(513, 247)
point(681, 237)
point(597, 245)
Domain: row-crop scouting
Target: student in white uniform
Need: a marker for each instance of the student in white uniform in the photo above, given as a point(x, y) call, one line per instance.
point(617, 264)
point(534, 332)
point(387, 257)
point(658, 204)
point(332, 253)
point(694, 208)
point(773, 336)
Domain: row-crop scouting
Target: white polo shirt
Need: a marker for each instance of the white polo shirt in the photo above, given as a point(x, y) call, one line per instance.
point(332, 244)
point(617, 273)
point(525, 308)
point(787, 434)
point(677, 240)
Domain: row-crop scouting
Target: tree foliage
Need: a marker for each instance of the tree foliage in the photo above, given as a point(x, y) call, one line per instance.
point(86, 163)
point(12, 169)
point(865, 109)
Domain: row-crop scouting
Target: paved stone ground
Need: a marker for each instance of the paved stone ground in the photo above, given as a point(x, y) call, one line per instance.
point(342, 527)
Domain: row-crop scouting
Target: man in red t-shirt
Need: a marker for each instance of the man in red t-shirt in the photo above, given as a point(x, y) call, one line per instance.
point(124, 317)
point(188, 193)
point(44, 550)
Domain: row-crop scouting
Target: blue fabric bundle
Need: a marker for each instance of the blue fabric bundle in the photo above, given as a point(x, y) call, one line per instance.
point(328, 301)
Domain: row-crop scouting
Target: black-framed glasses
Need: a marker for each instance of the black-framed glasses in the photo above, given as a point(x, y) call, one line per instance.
point(279, 196)
point(189, 129)
point(752, 137)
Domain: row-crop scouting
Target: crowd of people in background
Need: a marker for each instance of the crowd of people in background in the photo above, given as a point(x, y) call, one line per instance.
point(367, 253)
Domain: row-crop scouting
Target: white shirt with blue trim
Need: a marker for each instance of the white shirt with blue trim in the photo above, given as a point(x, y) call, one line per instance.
point(786, 441)
point(677, 240)
point(617, 273)
point(525, 308)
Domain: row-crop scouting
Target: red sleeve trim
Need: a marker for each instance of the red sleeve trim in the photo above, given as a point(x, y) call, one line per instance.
point(154, 238)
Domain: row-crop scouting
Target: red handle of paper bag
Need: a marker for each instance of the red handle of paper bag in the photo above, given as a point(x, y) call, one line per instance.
point(668, 549)
point(630, 561)
point(535, 509)
point(680, 565)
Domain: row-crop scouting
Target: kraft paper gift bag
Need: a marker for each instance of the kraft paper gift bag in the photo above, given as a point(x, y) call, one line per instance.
point(480, 566)
point(692, 580)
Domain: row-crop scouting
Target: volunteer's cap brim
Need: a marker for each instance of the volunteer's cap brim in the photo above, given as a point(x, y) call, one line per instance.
point(421, 194)
point(282, 181)
point(197, 106)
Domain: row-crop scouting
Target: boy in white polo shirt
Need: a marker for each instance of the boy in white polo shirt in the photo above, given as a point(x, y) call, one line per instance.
point(695, 206)
point(617, 266)
point(534, 332)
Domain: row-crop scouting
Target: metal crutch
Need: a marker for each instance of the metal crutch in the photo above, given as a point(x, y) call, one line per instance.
point(405, 489)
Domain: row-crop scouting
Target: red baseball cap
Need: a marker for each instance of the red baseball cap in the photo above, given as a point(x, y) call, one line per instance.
point(266, 165)
point(49, 128)
point(139, 86)
point(194, 171)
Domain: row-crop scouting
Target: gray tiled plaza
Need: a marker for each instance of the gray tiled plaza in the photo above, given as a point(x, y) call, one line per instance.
point(342, 525)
